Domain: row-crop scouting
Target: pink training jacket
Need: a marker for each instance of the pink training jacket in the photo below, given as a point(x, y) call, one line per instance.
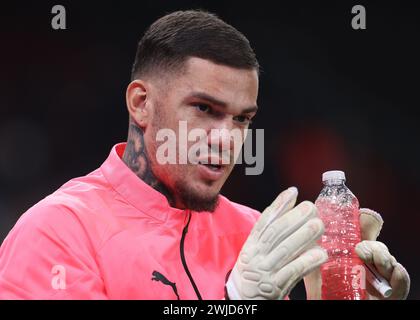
point(109, 235)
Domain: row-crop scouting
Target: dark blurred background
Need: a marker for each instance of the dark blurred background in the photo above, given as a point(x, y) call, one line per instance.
point(330, 98)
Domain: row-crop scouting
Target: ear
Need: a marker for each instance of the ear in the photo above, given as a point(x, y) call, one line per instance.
point(136, 98)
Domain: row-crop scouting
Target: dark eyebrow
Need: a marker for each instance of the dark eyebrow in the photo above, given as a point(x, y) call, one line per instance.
point(217, 102)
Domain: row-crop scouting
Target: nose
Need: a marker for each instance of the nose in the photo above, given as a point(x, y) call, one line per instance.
point(220, 137)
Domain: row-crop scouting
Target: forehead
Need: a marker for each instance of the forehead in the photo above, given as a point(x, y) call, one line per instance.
point(236, 87)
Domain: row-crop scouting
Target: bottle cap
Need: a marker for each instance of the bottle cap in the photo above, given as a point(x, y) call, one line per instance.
point(333, 175)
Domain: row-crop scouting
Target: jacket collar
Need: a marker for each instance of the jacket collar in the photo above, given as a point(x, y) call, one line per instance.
point(134, 190)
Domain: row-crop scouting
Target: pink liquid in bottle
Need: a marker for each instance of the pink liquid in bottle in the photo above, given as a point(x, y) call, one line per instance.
point(339, 210)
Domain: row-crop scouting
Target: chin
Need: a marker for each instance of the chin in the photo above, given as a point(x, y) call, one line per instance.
point(208, 188)
point(198, 196)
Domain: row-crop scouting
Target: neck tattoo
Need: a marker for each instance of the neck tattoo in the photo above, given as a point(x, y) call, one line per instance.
point(136, 158)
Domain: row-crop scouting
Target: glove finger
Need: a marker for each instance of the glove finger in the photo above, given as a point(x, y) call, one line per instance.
point(294, 245)
point(287, 224)
point(400, 283)
point(285, 201)
point(371, 224)
point(376, 253)
point(287, 277)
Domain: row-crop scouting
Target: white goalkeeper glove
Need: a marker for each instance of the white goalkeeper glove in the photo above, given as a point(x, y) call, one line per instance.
point(280, 250)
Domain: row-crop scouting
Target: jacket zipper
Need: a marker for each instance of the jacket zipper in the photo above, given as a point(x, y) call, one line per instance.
point(184, 262)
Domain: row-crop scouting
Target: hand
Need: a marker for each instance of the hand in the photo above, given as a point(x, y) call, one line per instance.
point(280, 250)
point(374, 253)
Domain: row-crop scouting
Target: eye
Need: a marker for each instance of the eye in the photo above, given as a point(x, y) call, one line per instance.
point(203, 107)
point(243, 119)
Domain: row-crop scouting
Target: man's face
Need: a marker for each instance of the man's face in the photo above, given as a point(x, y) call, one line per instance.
point(209, 97)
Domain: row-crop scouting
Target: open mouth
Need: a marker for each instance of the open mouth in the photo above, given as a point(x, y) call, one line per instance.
point(214, 167)
point(210, 171)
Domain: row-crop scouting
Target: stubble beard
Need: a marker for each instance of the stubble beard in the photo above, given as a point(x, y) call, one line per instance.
point(189, 198)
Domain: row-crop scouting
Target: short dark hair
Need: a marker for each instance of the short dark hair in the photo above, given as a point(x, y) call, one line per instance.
point(172, 39)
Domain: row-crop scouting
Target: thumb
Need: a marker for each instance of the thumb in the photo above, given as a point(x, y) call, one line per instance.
point(371, 224)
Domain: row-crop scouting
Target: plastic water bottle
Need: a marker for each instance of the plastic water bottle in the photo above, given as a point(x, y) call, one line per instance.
point(339, 210)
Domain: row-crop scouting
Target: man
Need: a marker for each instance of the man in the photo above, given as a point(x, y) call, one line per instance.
point(142, 228)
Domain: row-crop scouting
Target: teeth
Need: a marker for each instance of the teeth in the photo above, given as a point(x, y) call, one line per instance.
point(214, 167)
point(209, 164)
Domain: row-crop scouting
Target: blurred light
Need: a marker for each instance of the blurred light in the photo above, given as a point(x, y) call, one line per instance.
point(307, 152)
